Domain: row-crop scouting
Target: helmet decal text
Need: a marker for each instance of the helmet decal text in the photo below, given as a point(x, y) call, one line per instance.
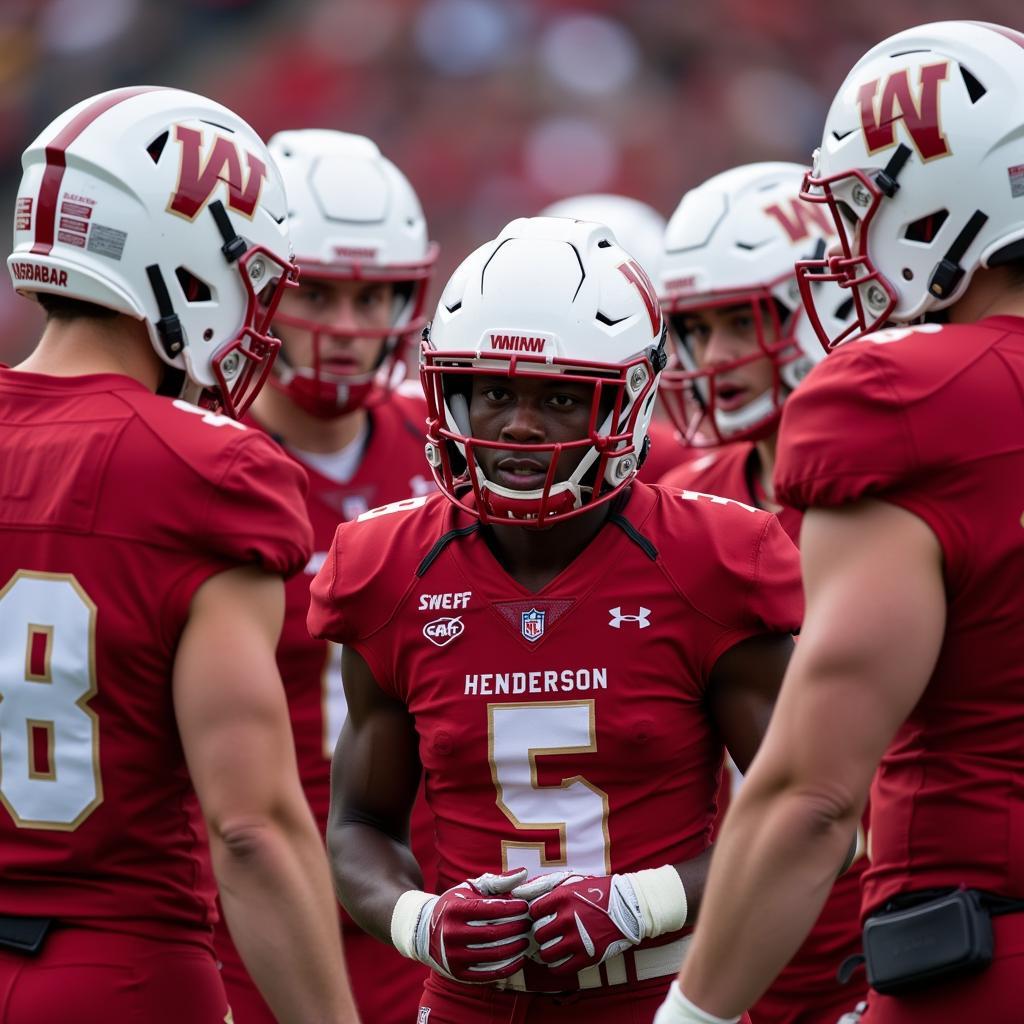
point(198, 179)
point(920, 114)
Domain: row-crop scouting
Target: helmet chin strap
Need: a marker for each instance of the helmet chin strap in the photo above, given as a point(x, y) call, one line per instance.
point(563, 496)
point(733, 421)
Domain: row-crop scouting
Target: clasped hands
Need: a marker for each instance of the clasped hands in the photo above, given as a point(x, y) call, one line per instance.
point(484, 929)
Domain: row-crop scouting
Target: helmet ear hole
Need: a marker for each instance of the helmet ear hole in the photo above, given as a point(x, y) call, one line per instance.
point(193, 288)
point(156, 148)
point(925, 228)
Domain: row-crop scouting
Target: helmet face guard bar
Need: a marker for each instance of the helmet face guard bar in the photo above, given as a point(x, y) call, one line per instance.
point(873, 296)
point(690, 394)
point(242, 366)
point(327, 394)
point(453, 454)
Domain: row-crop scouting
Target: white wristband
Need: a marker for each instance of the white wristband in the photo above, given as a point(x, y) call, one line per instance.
point(405, 919)
point(677, 1009)
point(661, 897)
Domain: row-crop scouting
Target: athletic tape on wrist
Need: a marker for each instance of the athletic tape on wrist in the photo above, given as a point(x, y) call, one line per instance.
point(677, 1009)
point(662, 899)
point(405, 919)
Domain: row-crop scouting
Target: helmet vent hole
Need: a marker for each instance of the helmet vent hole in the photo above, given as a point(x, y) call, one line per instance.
point(156, 148)
point(749, 246)
point(604, 244)
point(454, 308)
point(844, 309)
point(602, 318)
point(975, 90)
point(193, 288)
point(924, 229)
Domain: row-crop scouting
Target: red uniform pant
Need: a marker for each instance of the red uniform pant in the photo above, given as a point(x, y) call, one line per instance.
point(790, 1008)
point(448, 1002)
point(994, 996)
point(385, 984)
point(98, 977)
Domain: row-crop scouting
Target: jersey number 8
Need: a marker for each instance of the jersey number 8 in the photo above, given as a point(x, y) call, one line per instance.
point(49, 736)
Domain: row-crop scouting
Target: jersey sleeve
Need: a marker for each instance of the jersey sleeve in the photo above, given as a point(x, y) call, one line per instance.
point(256, 513)
point(737, 568)
point(760, 589)
point(844, 433)
point(370, 567)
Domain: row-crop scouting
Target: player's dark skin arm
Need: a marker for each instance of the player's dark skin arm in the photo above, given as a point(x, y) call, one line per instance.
point(740, 697)
point(375, 774)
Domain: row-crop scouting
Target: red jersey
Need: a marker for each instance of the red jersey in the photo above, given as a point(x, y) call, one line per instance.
point(733, 471)
point(666, 451)
point(566, 726)
point(934, 422)
point(115, 505)
point(391, 466)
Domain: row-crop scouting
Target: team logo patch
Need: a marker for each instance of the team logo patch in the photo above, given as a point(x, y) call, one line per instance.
point(533, 624)
point(424, 1015)
point(642, 619)
point(444, 630)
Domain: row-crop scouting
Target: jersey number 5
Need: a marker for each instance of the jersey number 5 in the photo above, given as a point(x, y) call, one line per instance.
point(576, 810)
point(49, 736)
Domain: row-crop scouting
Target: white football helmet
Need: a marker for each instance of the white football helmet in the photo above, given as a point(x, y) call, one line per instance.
point(732, 241)
point(922, 166)
point(353, 216)
point(637, 227)
point(550, 298)
point(165, 206)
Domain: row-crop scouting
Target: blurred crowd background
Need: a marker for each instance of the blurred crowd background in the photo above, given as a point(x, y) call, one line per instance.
point(493, 108)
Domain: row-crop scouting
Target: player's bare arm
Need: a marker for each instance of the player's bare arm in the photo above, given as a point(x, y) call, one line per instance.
point(267, 855)
point(743, 687)
point(861, 665)
point(375, 773)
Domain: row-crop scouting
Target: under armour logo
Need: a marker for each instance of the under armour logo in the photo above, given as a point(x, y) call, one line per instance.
point(617, 618)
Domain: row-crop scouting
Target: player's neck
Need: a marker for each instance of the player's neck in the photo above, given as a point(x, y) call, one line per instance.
point(76, 348)
point(765, 467)
point(533, 558)
point(298, 429)
point(995, 291)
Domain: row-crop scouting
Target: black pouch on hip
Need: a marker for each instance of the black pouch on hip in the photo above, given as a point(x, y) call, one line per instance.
point(24, 934)
point(940, 938)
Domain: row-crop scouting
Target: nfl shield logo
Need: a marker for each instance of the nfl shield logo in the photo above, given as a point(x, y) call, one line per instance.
point(533, 625)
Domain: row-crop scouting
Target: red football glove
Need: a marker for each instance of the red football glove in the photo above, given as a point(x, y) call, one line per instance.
point(475, 931)
point(579, 920)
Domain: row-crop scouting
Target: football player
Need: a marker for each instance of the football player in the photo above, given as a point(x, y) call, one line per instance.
point(906, 448)
point(731, 296)
point(337, 407)
point(145, 534)
point(639, 229)
point(561, 649)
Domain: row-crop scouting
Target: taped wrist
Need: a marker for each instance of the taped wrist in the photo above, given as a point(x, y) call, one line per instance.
point(662, 899)
point(677, 1009)
point(405, 920)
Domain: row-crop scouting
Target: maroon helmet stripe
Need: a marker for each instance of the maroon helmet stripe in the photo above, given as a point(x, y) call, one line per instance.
point(49, 190)
point(1008, 33)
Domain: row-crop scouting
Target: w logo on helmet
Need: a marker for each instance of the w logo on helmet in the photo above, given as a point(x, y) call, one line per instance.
point(920, 114)
point(800, 220)
point(197, 178)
